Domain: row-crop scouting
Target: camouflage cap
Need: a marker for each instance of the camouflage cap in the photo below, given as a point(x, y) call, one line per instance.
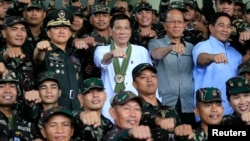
point(99, 8)
point(244, 68)
point(36, 4)
point(58, 17)
point(178, 4)
point(192, 3)
point(60, 110)
point(11, 20)
point(5, 0)
point(208, 94)
point(10, 77)
point(123, 97)
point(47, 75)
point(91, 83)
point(236, 85)
point(139, 68)
point(247, 7)
point(143, 6)
point(76, 10)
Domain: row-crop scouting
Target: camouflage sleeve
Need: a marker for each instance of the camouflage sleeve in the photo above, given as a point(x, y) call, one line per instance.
point(200, 135)
point(30, 113)
point(148, 118)
point(172, 113)
point(241, 25)
point(116, 135)
point(76, 117)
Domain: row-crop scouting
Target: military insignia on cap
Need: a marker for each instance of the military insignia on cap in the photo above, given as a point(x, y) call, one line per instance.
point(240, 84)
point(231, 83)
point(92, 84)
point(18, 133)
point(214, 93)
point(61, 14)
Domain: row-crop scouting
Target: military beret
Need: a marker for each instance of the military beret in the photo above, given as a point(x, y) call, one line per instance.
point(60, 110)
point(58, 17)
point(247, 7)
point(139, 68)
point(208, 94)
point(11, 20)
point(236, 85)
point(91, 83)
point(10, 77)
point(124, 97)
point(36, 4)
point(143, 6)
point(178, 5)
point(244, 68)
point(47, 75)
point(97, 8)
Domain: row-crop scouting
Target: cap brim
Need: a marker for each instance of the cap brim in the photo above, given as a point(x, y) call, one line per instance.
point(138, 99)
point(41, 123)
point(90, 88)
point(213, 100)
point(242, 90)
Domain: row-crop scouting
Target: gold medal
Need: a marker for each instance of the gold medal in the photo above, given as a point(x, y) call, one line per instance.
point(119, 78)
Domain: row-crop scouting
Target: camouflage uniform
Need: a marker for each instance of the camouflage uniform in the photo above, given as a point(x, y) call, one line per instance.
point(117, 133)
point(244, 68)
point(149, 114)
point(205, 95)
point(87, 56)
point(65, 64)
point(15, 128)
point(86, 132)
point(60, 110)
point(23, 67)
point(234, 86)
point(135, 35)
point(17, 8)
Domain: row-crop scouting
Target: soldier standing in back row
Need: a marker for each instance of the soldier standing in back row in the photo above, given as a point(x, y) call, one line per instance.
point(59, 57)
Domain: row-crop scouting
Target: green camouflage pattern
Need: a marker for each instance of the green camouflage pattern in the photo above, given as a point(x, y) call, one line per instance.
point(143, 41)
point(76, 10)
point(179, 4)
point(139, 68)
point(10, 77)
point(142, 5)
point(118, 134)
point(91, 83)
point(36, 4)
point(247, 7)
point(149, 114)
point(11, 20)
point(200, 134)
point(20, 129)
point(47, 75)
point(192, 3)
point(208, 94)
point(58, 17)
point(46, 115)
point(232, 119)
point(237, 85)
point(89, 133)
point(244, 68)
point(123, 97)
point(96, 8)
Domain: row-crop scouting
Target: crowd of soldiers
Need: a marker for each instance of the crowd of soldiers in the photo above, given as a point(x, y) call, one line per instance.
point(97, 72)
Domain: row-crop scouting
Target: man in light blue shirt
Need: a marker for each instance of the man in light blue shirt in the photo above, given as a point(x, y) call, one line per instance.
point(215, 60)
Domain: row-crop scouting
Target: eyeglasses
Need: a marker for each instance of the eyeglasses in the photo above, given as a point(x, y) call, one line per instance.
point(175, 22)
